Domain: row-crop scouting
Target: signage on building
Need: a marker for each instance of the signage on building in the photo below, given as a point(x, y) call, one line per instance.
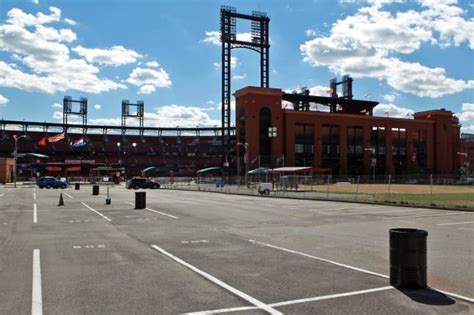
point(79, 161)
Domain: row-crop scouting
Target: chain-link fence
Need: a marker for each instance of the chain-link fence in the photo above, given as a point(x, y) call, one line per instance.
point(423, 191)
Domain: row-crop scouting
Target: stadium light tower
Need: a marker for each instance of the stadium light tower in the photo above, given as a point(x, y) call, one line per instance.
point(15, 156)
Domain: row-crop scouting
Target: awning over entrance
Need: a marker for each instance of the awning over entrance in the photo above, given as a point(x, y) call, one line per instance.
point(301, 169)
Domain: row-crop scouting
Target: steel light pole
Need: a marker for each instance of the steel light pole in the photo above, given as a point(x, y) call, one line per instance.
point(15, 156)
point(246, 158)
point(373, 160)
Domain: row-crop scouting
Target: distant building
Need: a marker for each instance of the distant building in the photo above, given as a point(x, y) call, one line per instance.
point(7, 165)
point(467, 151)
point(348, 140)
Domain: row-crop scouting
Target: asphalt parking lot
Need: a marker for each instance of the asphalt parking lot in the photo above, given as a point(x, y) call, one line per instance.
point(191, 252)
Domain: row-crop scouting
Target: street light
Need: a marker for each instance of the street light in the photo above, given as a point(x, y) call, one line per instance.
point(246, 159)
point(373, 160)
point(15, 156)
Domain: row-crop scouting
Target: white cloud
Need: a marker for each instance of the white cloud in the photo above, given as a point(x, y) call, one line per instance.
point(214, 37)
point(239, 77)
point(97, 106)
point(394, 111)
point(169, 116)
point(366, 44)
point(115, 56)
point(466, 117)
point(58, 115)
point(152, 64)
point(20, 18)
point(310, 33)
point(70, 21)
point(389, 97)
point(35, 1)
point(146, 89)
point(57, 105)
point(43, 51)
point(149, 79)
point(234, 62)
point(3, 100)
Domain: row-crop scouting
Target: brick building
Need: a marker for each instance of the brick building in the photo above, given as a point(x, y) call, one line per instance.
point(349, 140)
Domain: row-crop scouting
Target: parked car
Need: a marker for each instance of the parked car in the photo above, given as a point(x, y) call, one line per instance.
point(50, 182)
point(141, 182)
point(466, 181)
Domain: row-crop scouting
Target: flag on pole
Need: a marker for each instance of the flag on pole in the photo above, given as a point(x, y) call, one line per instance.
point(42, 142)
point(56, 138)
point(364, 111)
point(386, 113)
point(79, 143)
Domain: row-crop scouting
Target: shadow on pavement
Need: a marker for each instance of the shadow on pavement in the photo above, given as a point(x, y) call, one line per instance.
point(428, 296)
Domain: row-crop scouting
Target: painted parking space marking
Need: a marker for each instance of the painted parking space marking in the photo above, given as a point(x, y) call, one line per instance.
point(319, 258)
point(78, 221)
point(35, 213)
point(156, 211)
point(299, 301)
point(69, 196)
point(242, 295)
point(89, 246)
point(456, 223)
point(36, 296)
point(461, 297)
point(422, 216)
point(466, 229)
point(93, 210)
point(2, 194)
point(195, 242)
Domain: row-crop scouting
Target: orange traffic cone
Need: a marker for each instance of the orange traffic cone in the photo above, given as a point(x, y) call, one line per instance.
point(61, 201)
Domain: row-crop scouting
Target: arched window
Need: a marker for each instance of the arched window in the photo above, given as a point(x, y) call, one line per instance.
point(265, 120)
point(242, 126)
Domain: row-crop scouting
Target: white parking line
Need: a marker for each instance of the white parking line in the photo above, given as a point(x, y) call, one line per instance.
point(93, 210)
point(220, 283)
point(2, 194)
point(423, 216)
point(156, 211)
point(36, 296)
point(461, 297)
point(331, 296)
point(35, 213)
point(456, 223)
point(69, 196)
point(291, 302)
point(319, 258)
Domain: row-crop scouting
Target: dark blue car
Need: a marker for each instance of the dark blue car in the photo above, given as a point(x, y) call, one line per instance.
point(50, 182)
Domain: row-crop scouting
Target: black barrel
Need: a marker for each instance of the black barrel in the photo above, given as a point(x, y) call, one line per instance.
point(408, 258)
point(77, 186)
point(95, 190)
point(140, 200)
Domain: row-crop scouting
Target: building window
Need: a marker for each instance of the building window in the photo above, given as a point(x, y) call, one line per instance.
point(265, 119)
point(377, 144)
point(330, 144)
point(418, 160)
point(355, 156)
point(399, 150)
point(304, 144)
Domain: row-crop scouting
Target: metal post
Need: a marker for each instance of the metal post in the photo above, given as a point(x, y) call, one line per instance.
point(431, 189)
point(15, 156)
point(357, 188)
point(389, 182)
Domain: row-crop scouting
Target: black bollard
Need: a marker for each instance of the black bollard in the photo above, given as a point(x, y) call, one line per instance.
point(77, 186)
point(408, 261)
point(140, 200)
point(95, 190)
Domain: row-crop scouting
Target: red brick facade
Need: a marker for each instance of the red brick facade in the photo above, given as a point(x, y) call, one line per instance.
point(347, 143)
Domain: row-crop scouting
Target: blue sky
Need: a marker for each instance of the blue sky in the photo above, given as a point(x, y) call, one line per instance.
point(408, 55)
